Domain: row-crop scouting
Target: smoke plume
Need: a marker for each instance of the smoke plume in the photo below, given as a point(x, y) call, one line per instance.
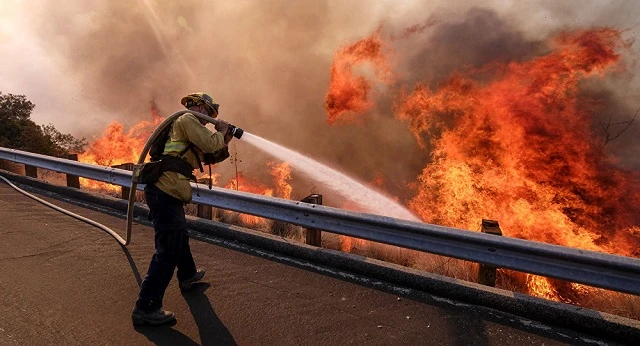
point(268, 64)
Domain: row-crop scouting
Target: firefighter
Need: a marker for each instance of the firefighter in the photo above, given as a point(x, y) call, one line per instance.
point(188, 139)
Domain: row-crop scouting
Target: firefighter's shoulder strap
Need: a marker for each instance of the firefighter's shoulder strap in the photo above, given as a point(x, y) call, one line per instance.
point(156, 151)
point(191, 147)
point(179, 165)
point(165, 136)
point(150, 172)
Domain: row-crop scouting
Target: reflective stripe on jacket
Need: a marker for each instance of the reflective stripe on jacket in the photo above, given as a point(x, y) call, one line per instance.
point(174, 146)
point(187, 129)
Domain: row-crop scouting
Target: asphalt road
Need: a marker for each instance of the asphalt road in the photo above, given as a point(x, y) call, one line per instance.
point(64, 282)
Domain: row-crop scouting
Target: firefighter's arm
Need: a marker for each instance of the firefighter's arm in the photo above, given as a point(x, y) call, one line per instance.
point(200, 136)
point(223, 127)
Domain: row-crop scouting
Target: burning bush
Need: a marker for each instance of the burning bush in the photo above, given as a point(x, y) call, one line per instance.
point(515, 141)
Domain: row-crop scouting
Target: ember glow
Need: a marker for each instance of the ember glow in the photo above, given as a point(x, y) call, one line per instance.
point(517, 142)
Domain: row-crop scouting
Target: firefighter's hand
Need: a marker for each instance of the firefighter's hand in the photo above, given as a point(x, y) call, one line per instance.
point(228, 137)
point(222, 126)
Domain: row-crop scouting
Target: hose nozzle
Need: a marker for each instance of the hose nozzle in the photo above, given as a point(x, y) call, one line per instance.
point(235, 131)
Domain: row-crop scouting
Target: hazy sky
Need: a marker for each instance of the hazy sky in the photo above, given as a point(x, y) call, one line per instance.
point(87, 63)
point(51, 50)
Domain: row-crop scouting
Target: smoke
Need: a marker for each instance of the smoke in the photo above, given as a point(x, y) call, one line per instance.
point(477, 38)
point(268, 62)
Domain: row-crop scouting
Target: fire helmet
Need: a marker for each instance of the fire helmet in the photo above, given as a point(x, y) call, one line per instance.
point(201, 99)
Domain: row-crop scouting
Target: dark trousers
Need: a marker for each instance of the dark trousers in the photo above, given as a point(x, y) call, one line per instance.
point(172, 248)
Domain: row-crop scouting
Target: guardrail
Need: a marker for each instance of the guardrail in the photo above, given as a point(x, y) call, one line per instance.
point(612, 272)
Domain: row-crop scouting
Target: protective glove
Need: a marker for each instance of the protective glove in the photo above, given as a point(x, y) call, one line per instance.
point(222, 126)
point(228, 136)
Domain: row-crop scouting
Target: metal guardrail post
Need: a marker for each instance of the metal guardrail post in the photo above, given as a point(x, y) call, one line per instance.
point(487, 273)
point(205, 211)
point(314, 236)
point(31, 171)
point(124, 194)
point(73, 180)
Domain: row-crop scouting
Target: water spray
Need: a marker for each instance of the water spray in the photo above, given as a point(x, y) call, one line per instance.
point(365, 197)
point(342, 184)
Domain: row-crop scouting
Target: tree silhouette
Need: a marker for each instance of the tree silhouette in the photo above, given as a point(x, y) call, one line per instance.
point(18, 131)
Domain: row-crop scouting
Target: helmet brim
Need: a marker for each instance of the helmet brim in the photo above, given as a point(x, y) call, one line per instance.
point(211, 107)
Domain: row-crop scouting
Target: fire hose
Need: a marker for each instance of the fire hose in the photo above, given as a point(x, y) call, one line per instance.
point(65, 211)
point(236, 132)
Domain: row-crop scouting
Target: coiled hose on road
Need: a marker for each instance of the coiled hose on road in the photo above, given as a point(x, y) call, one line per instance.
point(126, 241)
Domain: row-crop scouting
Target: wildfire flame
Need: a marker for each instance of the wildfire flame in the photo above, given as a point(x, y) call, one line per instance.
point(515, 142)
point(115, 146)
point(519, 147)
point(349, 94)
point(282, 175)
point(241, 183)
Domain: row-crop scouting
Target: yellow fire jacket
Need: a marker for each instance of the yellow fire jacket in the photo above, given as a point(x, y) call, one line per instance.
point(187, 129)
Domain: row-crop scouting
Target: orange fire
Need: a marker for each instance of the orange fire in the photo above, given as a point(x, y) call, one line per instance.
point(519, 148)
point(116, 147)
point(253, 186)
point(245, 184)
point(378, 181)
point(516, 143)
point(282, 175)
point(349, 94)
